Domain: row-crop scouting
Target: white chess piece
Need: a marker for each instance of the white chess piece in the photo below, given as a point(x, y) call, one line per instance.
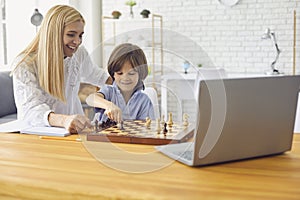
point(148, 122)
point(120, 125)
point(96, 118)
point(162, 122)
point(185, 119)
point(158, 128)
point(170, 122)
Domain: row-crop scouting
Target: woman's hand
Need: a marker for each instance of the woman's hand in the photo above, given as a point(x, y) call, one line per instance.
point(113, 112)
point(72, 123)
point(76, 123)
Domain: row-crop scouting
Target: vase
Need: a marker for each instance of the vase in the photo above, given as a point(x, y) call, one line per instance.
point(131, 12)
point(186, 66)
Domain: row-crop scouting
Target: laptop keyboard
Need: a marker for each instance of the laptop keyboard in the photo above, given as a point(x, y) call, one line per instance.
point(188, 155)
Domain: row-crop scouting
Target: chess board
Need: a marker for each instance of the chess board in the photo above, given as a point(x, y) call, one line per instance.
point(136, 132)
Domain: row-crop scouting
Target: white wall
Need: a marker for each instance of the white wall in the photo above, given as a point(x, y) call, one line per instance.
point(21, 31)
point(230, 36)
point(19, 28)
point(91, 11)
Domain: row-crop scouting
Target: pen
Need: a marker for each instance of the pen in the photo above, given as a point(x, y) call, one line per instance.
point(61, 138)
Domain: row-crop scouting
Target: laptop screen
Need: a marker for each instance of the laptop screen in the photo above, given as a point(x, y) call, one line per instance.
point(245, 117)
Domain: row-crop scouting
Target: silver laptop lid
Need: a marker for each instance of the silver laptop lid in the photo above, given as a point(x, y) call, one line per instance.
point(245, 118)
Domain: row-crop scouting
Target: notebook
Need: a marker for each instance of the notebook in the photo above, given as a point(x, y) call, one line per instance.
point(240, 118)
point(19, 126)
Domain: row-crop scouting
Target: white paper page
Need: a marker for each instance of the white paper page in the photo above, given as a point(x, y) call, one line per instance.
point(50, 131)
point(22, 127)
point(13, 126)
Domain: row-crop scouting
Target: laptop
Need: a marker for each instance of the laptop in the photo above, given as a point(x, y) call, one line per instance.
point(240, 118)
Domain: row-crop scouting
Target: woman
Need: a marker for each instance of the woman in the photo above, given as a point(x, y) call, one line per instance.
point(47, 74)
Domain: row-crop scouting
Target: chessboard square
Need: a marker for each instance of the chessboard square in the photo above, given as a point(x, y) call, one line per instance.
point(105, 132)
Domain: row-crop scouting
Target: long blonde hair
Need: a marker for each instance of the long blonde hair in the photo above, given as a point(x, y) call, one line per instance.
point(46, 49)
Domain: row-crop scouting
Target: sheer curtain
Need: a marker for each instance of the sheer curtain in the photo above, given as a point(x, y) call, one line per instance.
point(20, 31)
point(1, 35)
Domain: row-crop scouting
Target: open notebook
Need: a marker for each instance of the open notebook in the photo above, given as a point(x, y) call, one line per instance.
point(240, 118)
point(22, 127)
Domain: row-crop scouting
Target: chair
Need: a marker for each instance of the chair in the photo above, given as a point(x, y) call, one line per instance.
point(8, 110)
point(152, 94)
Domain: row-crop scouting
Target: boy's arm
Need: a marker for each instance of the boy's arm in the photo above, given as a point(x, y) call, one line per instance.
point(97, 100)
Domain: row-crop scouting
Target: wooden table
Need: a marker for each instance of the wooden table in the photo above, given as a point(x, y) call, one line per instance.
point(34, 168)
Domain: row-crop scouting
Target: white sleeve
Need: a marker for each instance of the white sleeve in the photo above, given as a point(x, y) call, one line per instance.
point(33, 103)
point(90, 72)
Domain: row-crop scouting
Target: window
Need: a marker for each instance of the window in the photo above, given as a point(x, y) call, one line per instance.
point(3, 43)
point(16, 30)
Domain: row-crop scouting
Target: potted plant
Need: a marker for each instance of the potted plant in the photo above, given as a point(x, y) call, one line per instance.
point(131, 3)
point(116, 14)
point(145, 13)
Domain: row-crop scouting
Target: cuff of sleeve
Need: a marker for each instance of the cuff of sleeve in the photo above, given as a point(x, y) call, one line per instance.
point(46, 115)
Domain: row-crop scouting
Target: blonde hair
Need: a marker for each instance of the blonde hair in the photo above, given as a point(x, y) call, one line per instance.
point(46, 49)
point(133, 54)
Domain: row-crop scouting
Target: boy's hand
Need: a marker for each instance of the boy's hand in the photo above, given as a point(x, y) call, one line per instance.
point(114, 112)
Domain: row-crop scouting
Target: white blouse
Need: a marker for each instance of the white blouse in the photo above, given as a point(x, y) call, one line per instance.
point(34, 104)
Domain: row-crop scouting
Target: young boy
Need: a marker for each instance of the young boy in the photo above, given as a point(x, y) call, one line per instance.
point(124, 99)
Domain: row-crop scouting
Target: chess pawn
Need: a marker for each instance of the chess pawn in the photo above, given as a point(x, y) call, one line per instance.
point(148, 122)
point(165, 130)
point(158, 128)
point(185, 119)
point(120, 125)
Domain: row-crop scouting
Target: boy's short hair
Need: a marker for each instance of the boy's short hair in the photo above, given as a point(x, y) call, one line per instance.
point(131, 53)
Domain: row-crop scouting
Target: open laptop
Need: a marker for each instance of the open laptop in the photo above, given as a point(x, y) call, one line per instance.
point(240, 118)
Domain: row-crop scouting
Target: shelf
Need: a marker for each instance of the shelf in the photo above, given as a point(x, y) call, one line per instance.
point(147, 33)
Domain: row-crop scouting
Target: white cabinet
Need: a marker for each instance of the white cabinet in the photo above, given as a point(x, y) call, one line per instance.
point(177, 96)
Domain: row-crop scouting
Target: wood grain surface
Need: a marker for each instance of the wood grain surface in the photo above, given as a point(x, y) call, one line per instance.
point(35, 168)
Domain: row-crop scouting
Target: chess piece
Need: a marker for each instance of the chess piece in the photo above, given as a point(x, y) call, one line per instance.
point(108, 123)
point(162, 122)
point(165, 130)
point(120, 125)
point(148, 122)
point(170, 121)
point(158, 128)
point(185, 119)
point(96, 125)
point(96, 118)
